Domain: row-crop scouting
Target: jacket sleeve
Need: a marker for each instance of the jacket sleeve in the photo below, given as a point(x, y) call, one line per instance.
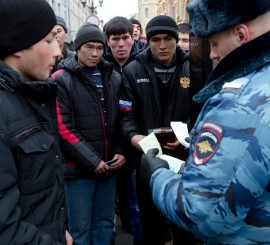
point(73, 144)
point(225, 174)
point(13, 230)
point(128, 104)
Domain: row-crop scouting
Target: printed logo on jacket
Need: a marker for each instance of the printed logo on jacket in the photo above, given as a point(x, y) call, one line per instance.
point(185, 82)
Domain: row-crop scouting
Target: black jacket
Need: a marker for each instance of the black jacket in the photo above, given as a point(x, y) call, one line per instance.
point(85, 141)
point(32, 200)
point(140, 88)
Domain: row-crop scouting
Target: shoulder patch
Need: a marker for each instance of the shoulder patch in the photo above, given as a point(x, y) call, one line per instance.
point(207, 142)
point(185, 82)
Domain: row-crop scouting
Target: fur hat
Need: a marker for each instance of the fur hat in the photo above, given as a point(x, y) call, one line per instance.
point(161, 24)
point(61, 22)
point(23, 23)
point(88, 32)
point(208, 17)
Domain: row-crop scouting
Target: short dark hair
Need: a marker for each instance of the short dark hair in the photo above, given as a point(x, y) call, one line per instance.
point(184, 27)
point(117, 26)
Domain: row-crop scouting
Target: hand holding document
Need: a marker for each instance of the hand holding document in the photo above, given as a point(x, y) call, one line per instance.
point(150, 142)
point(181, 131)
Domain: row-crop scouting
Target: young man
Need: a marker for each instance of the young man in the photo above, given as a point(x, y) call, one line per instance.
point(121, 50)
point(119, 37)
point(32, 203)
point(88, 118)
point(222, 195)
point(155, 87)
point(139, 40)
point(61, 30)
point(183, 40)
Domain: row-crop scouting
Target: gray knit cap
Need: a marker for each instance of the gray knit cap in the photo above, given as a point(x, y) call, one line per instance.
point(61, 22)
point(88, 32)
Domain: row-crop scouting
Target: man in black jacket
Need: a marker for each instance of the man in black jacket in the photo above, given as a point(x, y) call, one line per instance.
point(154, 93)
point(88, 117)
point(121, 50)
point(32, 203)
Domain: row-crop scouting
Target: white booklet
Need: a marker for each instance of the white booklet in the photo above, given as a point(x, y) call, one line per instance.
point(150, 142)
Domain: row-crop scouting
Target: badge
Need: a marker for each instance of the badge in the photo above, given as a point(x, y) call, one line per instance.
point(185, 82)
point(207, 142)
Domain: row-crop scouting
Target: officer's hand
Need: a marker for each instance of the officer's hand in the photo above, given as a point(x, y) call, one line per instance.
point(150, 163)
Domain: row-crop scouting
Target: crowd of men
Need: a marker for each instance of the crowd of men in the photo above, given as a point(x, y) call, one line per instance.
point(72, 119)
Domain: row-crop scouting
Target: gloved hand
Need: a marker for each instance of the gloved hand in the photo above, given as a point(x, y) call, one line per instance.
point(150, 163)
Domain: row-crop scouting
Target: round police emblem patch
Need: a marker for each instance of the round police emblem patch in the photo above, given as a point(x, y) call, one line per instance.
point(207, 142)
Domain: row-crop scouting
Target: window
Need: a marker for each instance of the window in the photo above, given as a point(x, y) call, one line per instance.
point(146, 12)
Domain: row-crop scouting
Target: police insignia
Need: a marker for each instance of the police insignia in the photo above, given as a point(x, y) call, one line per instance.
point(207, 142)
point(185, 82)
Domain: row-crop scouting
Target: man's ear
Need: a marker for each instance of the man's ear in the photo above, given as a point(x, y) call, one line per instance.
point(243, 34)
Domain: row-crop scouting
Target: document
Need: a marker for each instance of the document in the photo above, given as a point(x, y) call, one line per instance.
point(181, 131)
point(150, 142)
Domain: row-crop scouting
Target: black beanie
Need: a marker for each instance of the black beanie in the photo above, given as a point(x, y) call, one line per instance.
point(88, 32)
point(161, 24)
point(208, 17)
point(23, 23)
point(136, 22)
point(61, 22)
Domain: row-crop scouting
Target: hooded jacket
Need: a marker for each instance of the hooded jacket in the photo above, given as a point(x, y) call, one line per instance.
point(85, 139)
point(32, 203)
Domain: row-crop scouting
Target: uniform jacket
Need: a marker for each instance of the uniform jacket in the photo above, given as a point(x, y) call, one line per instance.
point(85, 141)
point(223, 193)
point(140, 95)
point(32, 199)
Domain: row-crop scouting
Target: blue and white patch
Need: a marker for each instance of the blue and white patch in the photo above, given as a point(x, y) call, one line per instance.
point(207, 142)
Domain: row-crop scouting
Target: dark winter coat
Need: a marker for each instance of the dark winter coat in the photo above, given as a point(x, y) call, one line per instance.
point(140, 88)
point(32, 200)
point(85, 141)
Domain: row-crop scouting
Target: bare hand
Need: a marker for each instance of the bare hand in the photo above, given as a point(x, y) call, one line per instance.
point(172, 146)
point(119, 163)
point(69, 239)
point(135, 139)
point(102, 168)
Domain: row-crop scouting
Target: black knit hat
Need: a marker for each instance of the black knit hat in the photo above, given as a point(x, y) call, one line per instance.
point(88, 32)
point(61, 22)
point(23, 23)
point(136, 22)
point(161, 24)
point(208, 17)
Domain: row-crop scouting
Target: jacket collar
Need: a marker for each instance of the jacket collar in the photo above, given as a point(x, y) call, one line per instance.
point(14, 82)
point(240, 62)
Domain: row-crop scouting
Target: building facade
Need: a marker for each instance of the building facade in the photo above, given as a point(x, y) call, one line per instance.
point(73, 13)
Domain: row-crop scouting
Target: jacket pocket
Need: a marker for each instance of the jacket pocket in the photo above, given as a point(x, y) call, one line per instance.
point(37, 161)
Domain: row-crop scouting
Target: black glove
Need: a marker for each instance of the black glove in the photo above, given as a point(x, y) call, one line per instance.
point(150, 163)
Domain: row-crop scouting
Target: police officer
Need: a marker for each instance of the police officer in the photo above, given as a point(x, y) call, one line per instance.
point(222, 195)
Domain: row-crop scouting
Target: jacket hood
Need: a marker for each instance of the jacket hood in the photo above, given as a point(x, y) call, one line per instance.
point(71, 64)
